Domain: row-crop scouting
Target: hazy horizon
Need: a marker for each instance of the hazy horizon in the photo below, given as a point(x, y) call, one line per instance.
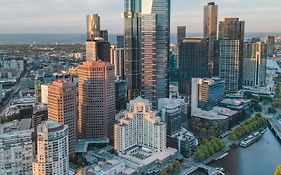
point(69, 16)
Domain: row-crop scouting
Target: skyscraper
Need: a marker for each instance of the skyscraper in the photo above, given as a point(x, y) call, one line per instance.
point(181, 34)
point(96, 91)
point(132, 47)
point(93, 27)
point(117, 59)
point(62, 107)
point(229, 61)
point(210, 31)
point(97, 45)
point(52, 149)
point(155, 40)
point(206, 93)
point(193, 62)
point(254, 66)
point(233, 29)
point(120, 41)
point(270, 45)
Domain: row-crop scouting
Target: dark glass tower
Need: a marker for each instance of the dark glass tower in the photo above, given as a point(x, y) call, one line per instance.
point(193, 62)
point(132, 48)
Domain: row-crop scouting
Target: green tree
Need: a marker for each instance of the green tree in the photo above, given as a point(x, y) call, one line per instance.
point(278, 170)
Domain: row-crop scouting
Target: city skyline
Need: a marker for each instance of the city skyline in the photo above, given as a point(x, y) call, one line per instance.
point(61, 17)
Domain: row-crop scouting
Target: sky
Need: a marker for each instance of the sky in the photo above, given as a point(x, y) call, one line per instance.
point(69, 16)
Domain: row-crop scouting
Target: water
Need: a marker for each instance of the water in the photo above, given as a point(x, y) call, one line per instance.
point(81, 38)
point(261, 158)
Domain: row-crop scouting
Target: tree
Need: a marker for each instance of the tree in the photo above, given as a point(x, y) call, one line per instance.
point(163, 172)
point(272, 110)
point(278, 170)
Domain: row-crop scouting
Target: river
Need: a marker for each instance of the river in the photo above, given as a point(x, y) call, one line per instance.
point(261, 158)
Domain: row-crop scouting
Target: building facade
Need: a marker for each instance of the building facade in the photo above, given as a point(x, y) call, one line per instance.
point(210, 31)
point(93, 27)
point(271, 46)
point(229, 64)
point(254, 66)
point(181, 34)
point(16, 147)
point(206, 93)
point(140, 126)
point(62, 107)
point(52, 149)
point(96, 106)
point(193, 62)
point(132, 47)
point(155, 42)
point(234, 29)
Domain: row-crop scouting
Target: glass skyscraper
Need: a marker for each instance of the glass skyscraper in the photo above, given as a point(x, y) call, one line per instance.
point(132, 48)
point(155, 42)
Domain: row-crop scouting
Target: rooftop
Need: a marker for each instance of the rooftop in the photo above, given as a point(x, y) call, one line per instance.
point(24, 124)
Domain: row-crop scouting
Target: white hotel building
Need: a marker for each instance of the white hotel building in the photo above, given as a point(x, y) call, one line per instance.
point(139, 127)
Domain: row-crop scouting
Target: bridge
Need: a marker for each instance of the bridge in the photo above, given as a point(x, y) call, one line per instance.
point(275, 125)
point(209, 169)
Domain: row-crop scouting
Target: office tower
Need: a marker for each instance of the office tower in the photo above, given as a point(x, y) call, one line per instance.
point(16, 147)
point(99, 49)
point(229, 61)
point(254, 66)
point(93, 27)
point(62, 108)
point(97, 45)
point(233, 29)
point(181, 34)
point(120, 41)
point(210, 31)
point(1, 93)
point(139, 127)
point(37, 89)
point(104, 35)
point(206, 93)
point(52, 153)
point(96, 91)
point(117, 59)
point(44, 94)
point(120, 95)
point(132, 46)
point(155, 40)
point(193, 62)
point(40, 113)
point(173, 67)
point(270, 46)
point(173, 113)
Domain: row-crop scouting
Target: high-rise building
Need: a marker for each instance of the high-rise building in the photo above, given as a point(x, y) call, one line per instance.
point(52, 149)
point(121, 95)
point(155, 42)
point(210, 31)
point(132, 46)
point(93, 27)
point(40, 113)
point(233, 29)
point(97, 45)
point(99, 49)
point(140, 126)
point(254, 66)
point(229, 61)
point(181, 34)
point(117, 59)
point(44, 94)
point(120, 41)
point(96, 106)
point(206, 93)
point(1, 93)
point(174, 112)
point(62, 107)
point(16, 147)
point(173, 67)
point(271, 46)
point(193, 62)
